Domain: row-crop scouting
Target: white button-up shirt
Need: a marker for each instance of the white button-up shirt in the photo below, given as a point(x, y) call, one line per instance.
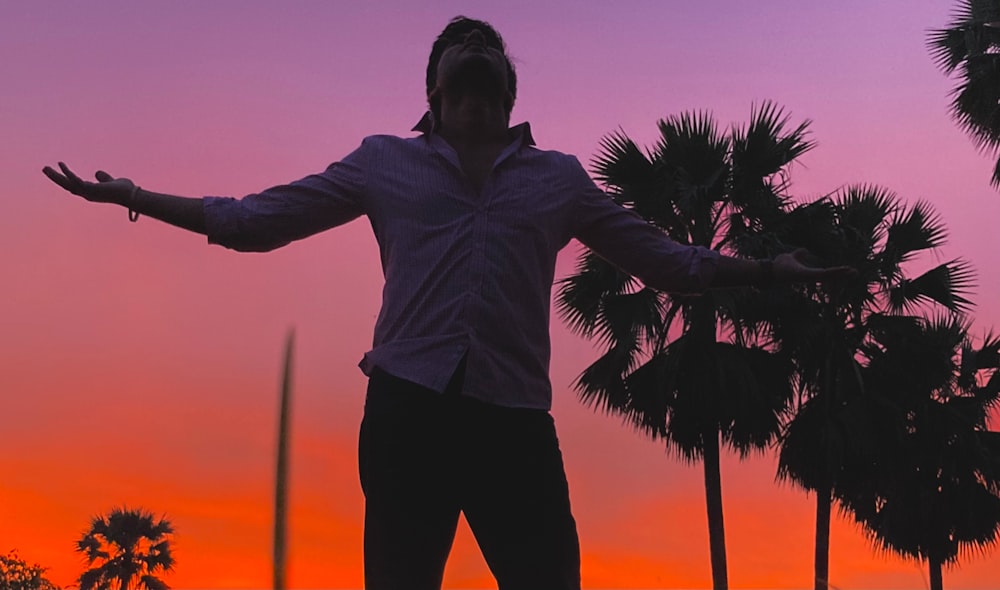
point(466, 273)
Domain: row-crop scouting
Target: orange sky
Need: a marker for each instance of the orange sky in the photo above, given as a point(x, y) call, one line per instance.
point(140, 366)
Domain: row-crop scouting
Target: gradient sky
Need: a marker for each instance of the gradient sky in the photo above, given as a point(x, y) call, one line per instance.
point(140, 366)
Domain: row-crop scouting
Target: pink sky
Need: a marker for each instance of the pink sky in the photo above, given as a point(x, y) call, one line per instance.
point(140, 366)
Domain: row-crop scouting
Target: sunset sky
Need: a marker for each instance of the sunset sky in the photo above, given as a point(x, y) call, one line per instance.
point(140, 366)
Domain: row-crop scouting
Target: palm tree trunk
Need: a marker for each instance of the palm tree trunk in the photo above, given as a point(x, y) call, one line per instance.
point(822, 558)
point(937, 579)
point(713, 501)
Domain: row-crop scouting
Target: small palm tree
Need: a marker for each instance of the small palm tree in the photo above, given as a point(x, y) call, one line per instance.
point(18, 574)
point(827, 447)
point(665, 367)
point(125, 550)
point(937, 491)
point(970, 46)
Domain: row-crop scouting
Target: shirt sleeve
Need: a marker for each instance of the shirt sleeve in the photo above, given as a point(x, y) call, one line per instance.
point(636, 246)
point(279, 215)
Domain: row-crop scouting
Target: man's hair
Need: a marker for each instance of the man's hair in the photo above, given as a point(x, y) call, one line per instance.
point(456, 30)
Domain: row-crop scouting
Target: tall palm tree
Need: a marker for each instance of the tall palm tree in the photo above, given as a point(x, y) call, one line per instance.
point(828, 445)
point(970, 46)
point(665, 367)
point(126, 550)
point(937, 492)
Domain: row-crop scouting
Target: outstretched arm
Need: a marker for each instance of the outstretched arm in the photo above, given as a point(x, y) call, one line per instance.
point(184, 212)
point(642, 250)
point(786, 268)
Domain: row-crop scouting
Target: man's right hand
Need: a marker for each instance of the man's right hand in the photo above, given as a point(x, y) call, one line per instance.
point(107, 189)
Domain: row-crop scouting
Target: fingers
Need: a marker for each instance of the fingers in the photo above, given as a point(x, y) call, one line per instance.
point(69, 181)
point(53, 175)
point(57, 178)
point(800, 254)
point(103, 176)
point(806, 257)
point(70, 174)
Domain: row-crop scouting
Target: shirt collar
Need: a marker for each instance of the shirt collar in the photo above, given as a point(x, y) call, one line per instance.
point(426, 125)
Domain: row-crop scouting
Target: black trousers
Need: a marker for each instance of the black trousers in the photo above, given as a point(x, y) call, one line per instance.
point(426, 457)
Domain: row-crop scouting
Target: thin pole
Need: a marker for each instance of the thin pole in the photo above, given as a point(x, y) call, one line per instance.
point(281, 475)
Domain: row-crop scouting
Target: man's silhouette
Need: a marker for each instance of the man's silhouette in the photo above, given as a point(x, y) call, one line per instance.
point(469, 216)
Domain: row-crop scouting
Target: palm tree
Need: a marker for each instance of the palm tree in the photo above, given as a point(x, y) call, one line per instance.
point(665, 368)
point(828, 446)
point(971, 46)
point(125, 550)
point(19, 574)
point(937, 494)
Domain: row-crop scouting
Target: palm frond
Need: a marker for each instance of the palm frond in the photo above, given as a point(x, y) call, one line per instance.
point(581, 297)
point(755, 394)
point(763, 149)
point(601, 385)
point(90, 579)
point(911, 230)
point(694, 156)
point(651, 387)
point(863, 211)
point(973, 100)
point(948, 48)
point(969, 49)
point(635, 181)
point(634, 316)
point(988, 353)
point(968, 33)
point(947, 284)
point(619, 162)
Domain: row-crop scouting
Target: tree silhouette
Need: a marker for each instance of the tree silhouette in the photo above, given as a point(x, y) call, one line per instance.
point(665, 370)
point(970, 46)
point(18, 574)
point(125, 550)
point(827, 447)
point(936, 492)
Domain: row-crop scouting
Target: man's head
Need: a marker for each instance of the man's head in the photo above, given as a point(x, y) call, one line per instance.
point(467, 65)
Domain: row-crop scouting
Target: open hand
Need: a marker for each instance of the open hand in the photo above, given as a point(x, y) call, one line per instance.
point(107, 189)
point(793, 267)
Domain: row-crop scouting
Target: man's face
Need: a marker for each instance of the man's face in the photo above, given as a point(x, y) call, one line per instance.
point(469, 65)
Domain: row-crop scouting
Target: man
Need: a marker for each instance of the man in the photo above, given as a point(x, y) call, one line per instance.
point(469, 217)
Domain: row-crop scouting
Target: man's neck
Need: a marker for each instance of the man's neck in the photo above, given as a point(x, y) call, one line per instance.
point(473, 122)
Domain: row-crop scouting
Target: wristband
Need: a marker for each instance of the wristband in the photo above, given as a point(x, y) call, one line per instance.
point(133, 216)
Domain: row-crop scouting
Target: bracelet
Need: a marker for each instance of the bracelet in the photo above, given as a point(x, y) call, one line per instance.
point(133, 216)
point(766, 272)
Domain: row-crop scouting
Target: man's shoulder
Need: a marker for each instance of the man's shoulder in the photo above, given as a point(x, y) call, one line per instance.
point(386, 139)
point(393, 147)
point(551, 158)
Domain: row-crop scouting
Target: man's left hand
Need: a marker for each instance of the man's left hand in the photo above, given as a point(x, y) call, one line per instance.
point(793, 267)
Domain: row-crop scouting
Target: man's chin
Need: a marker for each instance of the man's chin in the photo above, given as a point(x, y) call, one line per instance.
point(473, 87)
point(476, 74)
